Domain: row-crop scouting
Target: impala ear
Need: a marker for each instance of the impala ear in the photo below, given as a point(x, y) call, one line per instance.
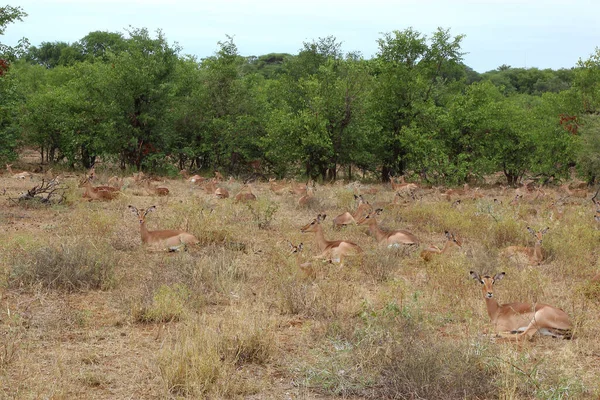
point(133, 209)
point(543, 232)
point(300, 246)
point(531, 231)
point(150, 209)
point(475, 276)
point(322, 217)
point(499, 276)
point(379, 211)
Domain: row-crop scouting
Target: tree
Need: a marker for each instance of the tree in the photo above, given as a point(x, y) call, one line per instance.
point(9, 100)
point(319, 110)
point(411, 75)
point(8, 15)
point(141, 82)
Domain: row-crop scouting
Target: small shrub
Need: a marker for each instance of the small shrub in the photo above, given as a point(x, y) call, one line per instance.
point(206, 357)
point(70, 266)
point(168, 304)
point(263, 212)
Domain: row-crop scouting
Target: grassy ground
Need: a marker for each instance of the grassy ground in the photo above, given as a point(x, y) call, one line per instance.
point(88, 312)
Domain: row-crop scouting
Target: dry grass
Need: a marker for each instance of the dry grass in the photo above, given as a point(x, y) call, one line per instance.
point(88, 312)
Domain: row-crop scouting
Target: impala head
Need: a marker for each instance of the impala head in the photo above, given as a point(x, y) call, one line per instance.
point(296, 249)
point(314, 225)
point(487, 283)
point(83, 181)
point(516, 199)
point(359, 199)
point(453, 239)
point(141, 214)
point(366, 218)
point(538, 235)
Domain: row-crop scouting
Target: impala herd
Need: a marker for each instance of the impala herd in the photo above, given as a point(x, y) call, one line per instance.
point(510, 321)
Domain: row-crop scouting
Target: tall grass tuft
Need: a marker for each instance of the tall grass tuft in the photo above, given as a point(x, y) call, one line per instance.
point(71, 266)
point(208, 356)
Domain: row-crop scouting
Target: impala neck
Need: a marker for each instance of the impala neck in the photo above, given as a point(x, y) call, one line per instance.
point(492, 307)
point(144, 231)
point(320, 238)
point(537, 251)
point(447, 246)
point(376, 230)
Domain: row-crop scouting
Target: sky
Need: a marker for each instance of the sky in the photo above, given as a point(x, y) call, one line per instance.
point(519, 33)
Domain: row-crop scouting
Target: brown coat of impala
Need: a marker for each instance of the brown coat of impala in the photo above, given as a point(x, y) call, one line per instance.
point(451, 242)
point(388, 238)
point(305, 267)
point(522, 320)
point(102, 193)
point(333, 250)
point(245, 194)
point(347, 218)
point(163, 238)
point(528, 255)
point(17, 175)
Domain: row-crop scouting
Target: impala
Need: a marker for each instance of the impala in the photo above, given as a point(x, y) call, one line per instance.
point(581, 193)
point(333, 250)
point(522, 320)
point(305, 267)
point(455, 192)
point(533, 255)
point(451, 242)
point(167, 239)
point(402, 186)
point(388, 238)
point(277, 188)
point(347, 218)
point(299, 188)
point(103, 193)
point(597, 204)
point(310, 194)
point(157, 190)
point(245, 194)
point(221, 193)
point(556, 213)
point(116, 182)
point(18, 175)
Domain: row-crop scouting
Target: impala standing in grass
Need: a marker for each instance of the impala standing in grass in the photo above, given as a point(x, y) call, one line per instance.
point(522, 320)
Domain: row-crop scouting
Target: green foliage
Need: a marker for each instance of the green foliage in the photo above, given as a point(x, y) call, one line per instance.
point(414, 108)
point(411, 79)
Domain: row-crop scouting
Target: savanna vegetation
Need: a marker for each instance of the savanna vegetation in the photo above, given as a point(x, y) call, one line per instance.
point(97, 304)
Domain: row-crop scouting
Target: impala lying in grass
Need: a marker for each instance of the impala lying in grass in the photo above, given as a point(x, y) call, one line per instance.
point(522, 320)
point(451, 242)
point(347, 218)
point(388, 238)
point(332, 250)
point(528, 255)
point(170, 240)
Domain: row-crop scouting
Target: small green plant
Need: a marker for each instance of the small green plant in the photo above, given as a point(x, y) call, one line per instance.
point(168, 304)
point(263, 212)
